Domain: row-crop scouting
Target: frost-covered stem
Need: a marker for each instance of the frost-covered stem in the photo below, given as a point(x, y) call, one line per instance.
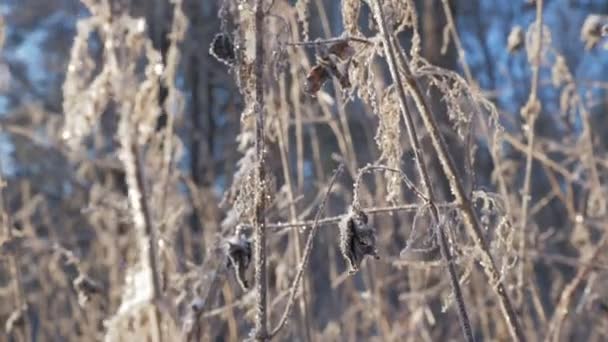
point(466, 207)
point(17, 280)
point(531, 113)
point(149, 228)
point(261, 333)
point(146, 230)
point(454, 33)
point(307, 251)
point(370, 168)
point(327, 41)
point(426, 183)
point(338, 218)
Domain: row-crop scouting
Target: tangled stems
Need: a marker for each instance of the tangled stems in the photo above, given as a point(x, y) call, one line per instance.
point(307, 251)
point(426, 183)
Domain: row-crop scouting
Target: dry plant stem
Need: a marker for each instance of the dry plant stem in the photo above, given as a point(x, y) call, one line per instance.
point(369, 168)
point(17, 280)
point(307, 251)
point(335, 219)
point(531, 120)
point(261, 313)
point(152, 237)
point(426, 182)
point(449, 169)
point(567, 295)
point(466, 207)
point(332, 41)
point(454, 33)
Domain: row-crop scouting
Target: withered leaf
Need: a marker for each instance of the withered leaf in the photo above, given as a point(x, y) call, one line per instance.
point(222, 49)
point(317, 76)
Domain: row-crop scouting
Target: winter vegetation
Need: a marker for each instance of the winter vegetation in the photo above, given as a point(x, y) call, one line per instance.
point(303, 170)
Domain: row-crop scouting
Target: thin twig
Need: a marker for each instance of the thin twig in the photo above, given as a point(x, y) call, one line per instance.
point(148, 247)
point(454, 33)
point(531, 112)
point(426, 182)
point(369, 168)
point(318, 42)
point(279, 227)
point(307, 251)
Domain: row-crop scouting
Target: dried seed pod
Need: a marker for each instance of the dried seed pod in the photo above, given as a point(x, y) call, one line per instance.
point(15, 319)
point(223, 49)
point(197, 304)
point(515, 41)
point(591, 32)
point(357, 239)
point(238, 251)
point(86, 288)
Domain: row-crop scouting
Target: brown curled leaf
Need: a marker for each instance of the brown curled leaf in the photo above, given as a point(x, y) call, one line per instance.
point(317, 76)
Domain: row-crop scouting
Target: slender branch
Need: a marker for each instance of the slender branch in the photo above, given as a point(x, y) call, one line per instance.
point(261, 313)
point(307, 251)
point(425, 179)
point(530, 112)
point(370, 168)
point(454, 33)
point(279, 227)
point(332, 41)
point(149, 227)
point(147, 236)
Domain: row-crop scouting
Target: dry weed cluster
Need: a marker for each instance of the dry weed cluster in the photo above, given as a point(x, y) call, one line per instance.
point(240, 169)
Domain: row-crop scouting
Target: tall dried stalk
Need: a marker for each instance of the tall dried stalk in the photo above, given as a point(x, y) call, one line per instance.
point(261, 313)
point(146, 230)
point(530, 113)
point(420, 165)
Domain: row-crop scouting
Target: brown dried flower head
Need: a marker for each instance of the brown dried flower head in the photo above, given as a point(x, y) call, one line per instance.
point(357, 239)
